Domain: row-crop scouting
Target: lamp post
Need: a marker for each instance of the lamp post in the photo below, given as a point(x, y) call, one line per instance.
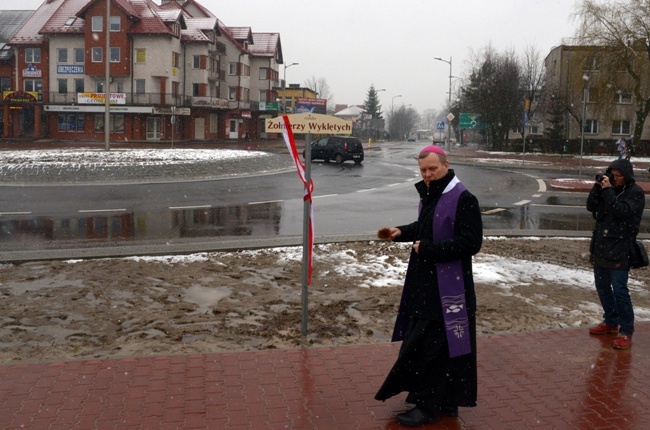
point(392, 101)
point(107, 92)
point(585, 90)
point(284, 87)
point(448, 144)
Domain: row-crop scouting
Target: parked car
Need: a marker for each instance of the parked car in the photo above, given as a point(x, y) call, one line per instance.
point(337, 148)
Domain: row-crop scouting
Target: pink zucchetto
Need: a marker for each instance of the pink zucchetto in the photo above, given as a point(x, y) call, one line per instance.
point(433, 148)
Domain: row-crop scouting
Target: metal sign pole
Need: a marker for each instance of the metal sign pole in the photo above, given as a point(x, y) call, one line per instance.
point(306, 221)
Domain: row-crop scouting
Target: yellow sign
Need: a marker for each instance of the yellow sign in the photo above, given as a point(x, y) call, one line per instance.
point(310, 123)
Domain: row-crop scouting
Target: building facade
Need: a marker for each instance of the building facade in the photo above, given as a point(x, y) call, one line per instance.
point(175, 71)
point(578, 87)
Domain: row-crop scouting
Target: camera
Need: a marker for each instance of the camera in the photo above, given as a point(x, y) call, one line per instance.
point(601, 176)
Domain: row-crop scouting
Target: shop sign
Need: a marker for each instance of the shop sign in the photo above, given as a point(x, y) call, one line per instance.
point(168, 111)
point(32, 72)
point(100, 99)
point(65, 69)
point(246, 114)
point(212, 102)
point(97, 109)
point(20, 96)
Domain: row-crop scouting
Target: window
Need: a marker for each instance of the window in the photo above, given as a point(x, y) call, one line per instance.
point(32, 55)
point(592, 63)
point(71, 122)
point(175, 88)
point(78, 55)
point(99, 87)
point(116, 124)
point(97, 55)
point(623, 97)
point(591, 126)
point(246, 70)
point(196, 62)
point(119, 87)
point(79, 85)
point(263, 95)
point(176, 59)
point(115, 23)
point(621, 127)
point(5, 84)
point(33, 85)
point(139, 86)
point(63, 86)
point(140, 56)
point(263, 74)
point(232, 93)
point(232, 69)
point(97, 23)
point(196, 90)
point(591, 95)
point(214, 123)
point(115, 55)
point(62, 55)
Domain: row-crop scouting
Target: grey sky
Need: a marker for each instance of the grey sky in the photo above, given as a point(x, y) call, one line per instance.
point(391, 43)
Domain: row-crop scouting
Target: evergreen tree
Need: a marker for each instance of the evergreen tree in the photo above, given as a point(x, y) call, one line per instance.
point(371, 106)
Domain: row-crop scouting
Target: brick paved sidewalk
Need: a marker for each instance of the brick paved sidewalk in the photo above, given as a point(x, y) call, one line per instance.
point(560, 379)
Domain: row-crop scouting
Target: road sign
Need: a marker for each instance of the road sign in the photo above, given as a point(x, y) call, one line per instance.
point(471, 121)
point(450, 117)
point(310, 123)
point(440, 125)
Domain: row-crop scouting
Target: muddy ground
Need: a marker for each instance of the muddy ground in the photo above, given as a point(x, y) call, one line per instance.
point(60, 310)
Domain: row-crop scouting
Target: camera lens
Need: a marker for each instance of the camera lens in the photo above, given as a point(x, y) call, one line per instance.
point(599, 177)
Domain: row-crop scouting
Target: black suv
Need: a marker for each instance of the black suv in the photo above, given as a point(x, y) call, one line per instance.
point(337, 148)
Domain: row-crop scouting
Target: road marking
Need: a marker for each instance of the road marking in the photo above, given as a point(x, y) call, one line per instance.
point(15, 213)
point(265, 202)
point(101, 210)
point(366, 190)
point(537, 195)
point(521, 202)
point(557, 206)
point(493, 211)
point(542, 186)
point(325, 195)
point(190, 207)
point(395, 184)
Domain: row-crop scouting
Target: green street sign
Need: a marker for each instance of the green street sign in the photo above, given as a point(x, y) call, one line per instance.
point(471, 121)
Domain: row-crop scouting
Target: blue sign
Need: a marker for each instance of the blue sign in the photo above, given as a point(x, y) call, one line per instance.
point(69, 70)
point(440, 125)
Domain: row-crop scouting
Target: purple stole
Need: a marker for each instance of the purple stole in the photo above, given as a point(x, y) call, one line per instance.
point(450, 278)
point(451, 284)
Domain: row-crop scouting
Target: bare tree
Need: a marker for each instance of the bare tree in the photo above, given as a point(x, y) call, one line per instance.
point(402, 121)
point(322, 89)
point(619, 31)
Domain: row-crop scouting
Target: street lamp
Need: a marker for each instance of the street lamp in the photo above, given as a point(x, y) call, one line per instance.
point(585, 90)
point(284, 87)
point(448, 122)
point(392, 101)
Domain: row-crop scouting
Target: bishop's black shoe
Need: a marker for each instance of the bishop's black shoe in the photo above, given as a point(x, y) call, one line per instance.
point(416, 417)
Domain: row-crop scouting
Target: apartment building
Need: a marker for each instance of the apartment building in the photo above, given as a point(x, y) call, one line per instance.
point(172, 64)
point(574, 76)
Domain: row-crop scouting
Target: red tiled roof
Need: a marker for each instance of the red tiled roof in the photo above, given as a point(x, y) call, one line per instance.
point(69, 9)
point(195, 29)
point(265, 44)
point(29, 32)
point(242, 33)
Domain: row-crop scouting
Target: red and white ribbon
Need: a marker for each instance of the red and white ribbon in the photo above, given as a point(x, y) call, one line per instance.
point(309, 188)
